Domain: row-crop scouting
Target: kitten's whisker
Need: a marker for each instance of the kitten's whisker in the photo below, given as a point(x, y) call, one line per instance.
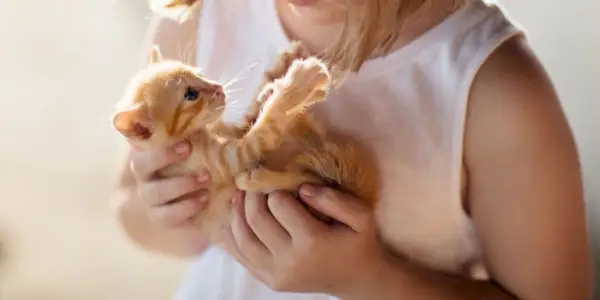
point(234, 104)
point(184, 54)
point(239, 73)
point(236, 78)
point(229, 92)
point(179, 50)
point(234, 101)
point(191, 48)
point(232, 82)
point(233, 107)
point(224, 75)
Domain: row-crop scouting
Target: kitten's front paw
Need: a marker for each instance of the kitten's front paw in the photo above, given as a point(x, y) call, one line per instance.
point(284, 60)
point(310, 73)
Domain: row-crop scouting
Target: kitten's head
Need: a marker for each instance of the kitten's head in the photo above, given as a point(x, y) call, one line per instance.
point(166, 102)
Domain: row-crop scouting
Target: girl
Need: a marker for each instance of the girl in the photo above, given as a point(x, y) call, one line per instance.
point(476, 156)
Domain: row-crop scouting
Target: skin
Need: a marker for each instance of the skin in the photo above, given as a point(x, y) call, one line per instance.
point(524, 192)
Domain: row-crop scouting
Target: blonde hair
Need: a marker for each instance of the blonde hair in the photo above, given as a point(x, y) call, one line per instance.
point(371, 26)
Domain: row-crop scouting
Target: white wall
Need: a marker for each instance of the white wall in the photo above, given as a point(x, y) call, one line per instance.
point(63, 64)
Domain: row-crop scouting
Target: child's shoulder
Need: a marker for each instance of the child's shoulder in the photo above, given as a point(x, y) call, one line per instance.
point(512, 70)
point(513, 107)
point(521, 160)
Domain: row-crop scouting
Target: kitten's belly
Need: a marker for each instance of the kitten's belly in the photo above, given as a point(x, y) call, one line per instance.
point(193, 164)
point(281, 157)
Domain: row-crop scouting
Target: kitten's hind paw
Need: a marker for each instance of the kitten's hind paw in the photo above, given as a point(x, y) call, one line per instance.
point(250, 180)
point(263, 180)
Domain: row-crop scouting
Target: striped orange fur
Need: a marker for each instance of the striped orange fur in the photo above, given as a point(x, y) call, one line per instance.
point(169, 101)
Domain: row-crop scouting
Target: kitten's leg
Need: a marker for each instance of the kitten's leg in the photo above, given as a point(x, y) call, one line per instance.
point(262, 180)
point(280, 67)
point(303, 85)
point(306, 83)
point(228, 131)
point(266, 181)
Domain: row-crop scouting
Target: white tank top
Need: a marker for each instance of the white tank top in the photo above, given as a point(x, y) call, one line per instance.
point(409, 106)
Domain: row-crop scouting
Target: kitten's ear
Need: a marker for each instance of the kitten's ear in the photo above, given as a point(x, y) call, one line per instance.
point(155, 55)
point(134, 122)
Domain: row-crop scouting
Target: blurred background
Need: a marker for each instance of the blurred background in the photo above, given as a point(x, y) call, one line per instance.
point(63, 65)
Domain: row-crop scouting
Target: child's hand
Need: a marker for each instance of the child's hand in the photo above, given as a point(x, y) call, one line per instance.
point(157, 195)
point(284, 246)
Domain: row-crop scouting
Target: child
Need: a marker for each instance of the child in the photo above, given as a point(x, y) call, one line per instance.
point(476, 156)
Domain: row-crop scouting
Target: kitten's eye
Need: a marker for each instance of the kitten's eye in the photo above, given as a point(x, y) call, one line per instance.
point(190, 94)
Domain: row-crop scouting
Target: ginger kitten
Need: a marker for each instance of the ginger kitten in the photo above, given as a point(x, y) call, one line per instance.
point(170, 101)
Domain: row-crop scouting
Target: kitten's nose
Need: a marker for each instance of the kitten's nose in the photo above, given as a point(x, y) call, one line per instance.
point(219, 90)
point(213, 88)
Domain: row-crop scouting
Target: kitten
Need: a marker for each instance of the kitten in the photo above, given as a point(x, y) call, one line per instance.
point(169, 101)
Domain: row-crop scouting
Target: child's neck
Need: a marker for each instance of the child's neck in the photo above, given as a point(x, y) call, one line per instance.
point(313, 28)
point(318, 31)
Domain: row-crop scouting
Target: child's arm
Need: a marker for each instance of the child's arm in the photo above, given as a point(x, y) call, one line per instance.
point(152, 224)
point(525, 195)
